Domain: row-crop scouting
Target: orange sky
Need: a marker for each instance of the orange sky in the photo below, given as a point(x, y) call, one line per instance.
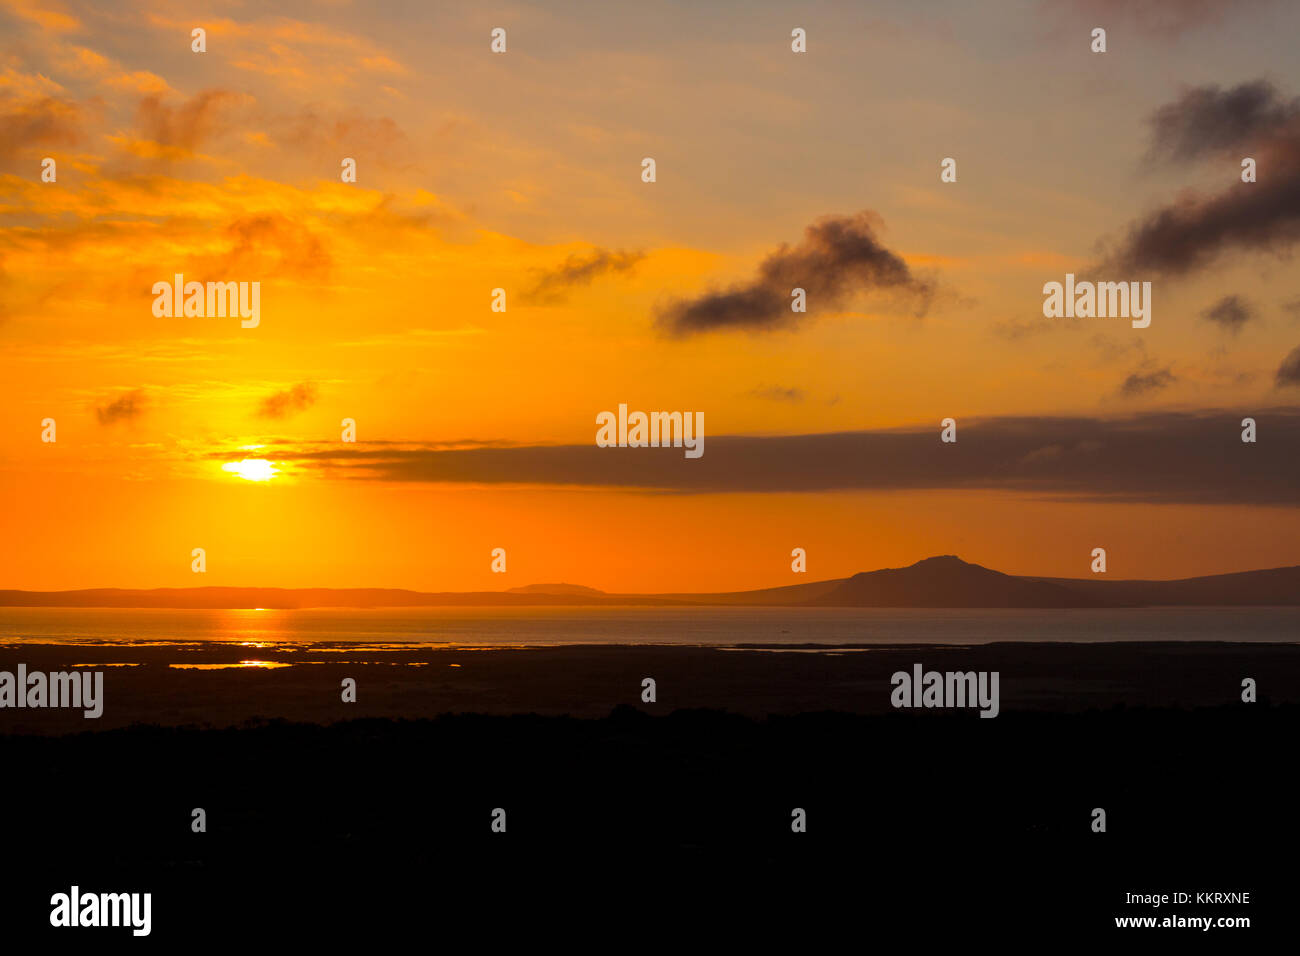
point(479, 171)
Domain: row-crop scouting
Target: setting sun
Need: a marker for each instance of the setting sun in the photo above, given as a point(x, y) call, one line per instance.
point(252, 469)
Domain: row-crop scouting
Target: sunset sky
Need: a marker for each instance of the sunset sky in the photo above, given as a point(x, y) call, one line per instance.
point(522, 171)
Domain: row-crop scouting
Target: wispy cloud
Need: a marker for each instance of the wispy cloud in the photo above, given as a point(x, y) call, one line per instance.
point(188, 124)
point(1143, 382)
point(29, 124)
point(775, 393)
point(580, 270)
point(289, 402)
point(1230, 313)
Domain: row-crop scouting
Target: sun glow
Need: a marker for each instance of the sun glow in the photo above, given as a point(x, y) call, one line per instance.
point(252, 469)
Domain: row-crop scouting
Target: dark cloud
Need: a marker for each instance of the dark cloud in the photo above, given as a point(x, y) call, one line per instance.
point(126, 407)
point(1191, 233)
point(579, 270)
point(775, 393)
point(838, 257)
point(1264, 216)
point(1155, 457)
point(290, 401)
point(1292, 308)
point(1288, 373)
point(1231, 312)
point(1144, 382)
point(1210, 119)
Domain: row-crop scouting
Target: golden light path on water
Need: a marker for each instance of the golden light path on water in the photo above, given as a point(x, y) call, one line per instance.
point(212, 667)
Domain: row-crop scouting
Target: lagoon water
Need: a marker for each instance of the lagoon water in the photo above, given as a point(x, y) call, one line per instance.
point(710, 626)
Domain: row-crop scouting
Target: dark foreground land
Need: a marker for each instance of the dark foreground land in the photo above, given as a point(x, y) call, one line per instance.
point(414, 681)
point(660, 827)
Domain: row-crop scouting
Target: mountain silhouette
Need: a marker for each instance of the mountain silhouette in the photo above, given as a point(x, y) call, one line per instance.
point(948, 581)
point(944, 581)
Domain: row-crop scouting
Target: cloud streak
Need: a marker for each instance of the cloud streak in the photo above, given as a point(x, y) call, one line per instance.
point(581, 270)
point(1163, 457)
point(776, 393)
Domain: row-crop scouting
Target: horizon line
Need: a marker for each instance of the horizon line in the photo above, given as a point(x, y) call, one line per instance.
point(523, 590)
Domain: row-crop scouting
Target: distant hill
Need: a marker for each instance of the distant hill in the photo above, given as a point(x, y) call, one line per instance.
point(939, 582)
point(1275, 586)
point(553, 589)
point(791, 595)
point(948, 581)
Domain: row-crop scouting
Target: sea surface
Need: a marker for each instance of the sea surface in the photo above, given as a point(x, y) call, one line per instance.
point(698, 626)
